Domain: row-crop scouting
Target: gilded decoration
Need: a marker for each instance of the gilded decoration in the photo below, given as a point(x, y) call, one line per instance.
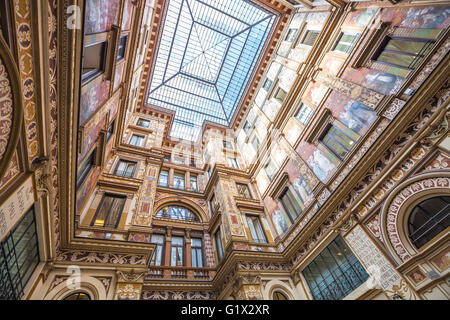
point(22, 17)
point(11, 110)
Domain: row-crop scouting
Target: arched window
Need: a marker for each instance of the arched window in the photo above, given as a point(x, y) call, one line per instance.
point(278, 295)
point(78, 296)
point(428, 219)
point(177, 213)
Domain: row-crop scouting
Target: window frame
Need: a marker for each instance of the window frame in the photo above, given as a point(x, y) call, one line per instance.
point(138, 136)
point(351, 45)
point(143, 120)
point(177, 176)
point(256, 238)
point(163, 246)
point(196, 248)
point(292, 203)
point(183, 250)
point(86, 167)
point(430, 233)
point(122, 46)
point(308, 116)
point(219, 244)
point(351, 263)
point(329, 148)
point(99, 207)
point(87, 76)
point(125, 161)
point(246, 186)
point(193, 177)
point(417, 57)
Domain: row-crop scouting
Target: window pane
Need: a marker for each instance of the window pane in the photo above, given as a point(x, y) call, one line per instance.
point(428, 219)
point(396, 58)
point(178, 181)
point(304, 114)
point(164, 178)
point(413, 47)
point(335, 272)
point(346, 42)
point(267, 85)
point(291, 35)
point(19, 256)
point(310, 37)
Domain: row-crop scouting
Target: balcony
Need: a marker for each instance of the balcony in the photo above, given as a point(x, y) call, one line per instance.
point(179, 273)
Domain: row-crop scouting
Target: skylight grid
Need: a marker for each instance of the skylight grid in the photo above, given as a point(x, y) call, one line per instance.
point(207, 52)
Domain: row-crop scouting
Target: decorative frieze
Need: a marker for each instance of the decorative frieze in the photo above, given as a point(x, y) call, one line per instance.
point(378, 266)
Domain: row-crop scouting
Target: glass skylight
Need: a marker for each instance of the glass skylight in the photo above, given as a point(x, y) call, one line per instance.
point(206, 55)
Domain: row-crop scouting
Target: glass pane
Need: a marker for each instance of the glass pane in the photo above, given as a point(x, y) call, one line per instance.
point(177, 241)
point(335, 272)
point(335, 147)
point(396, 58)
point(407, 46)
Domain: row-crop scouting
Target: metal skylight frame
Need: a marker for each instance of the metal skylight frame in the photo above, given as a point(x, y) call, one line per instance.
point(206, 54)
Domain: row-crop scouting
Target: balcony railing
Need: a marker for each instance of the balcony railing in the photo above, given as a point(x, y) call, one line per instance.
point(178, 273)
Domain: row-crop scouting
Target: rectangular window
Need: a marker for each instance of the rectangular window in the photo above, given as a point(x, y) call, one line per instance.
point(271, 169)
point(247, 127)
point(335, 272)
point(94, 58)
point(304, 114)
point(122, 47)
point(337, 142)
point(167, 157)
point(291, 204)
point(212, 204)
point(219, 245)
point(255, 143)
point(178, 180)
point(19, 257)
point(109, 211)
point(267, 84)
point(233, 163)
point(163, 178)
point(243, 190)
point(177, 252)
point(256, 229)
point(144, 123)
point(403, 52)
point(346, 42)
point(310, 37)
point(110, 130)
point(227, 145)
point(157, 258)
point(280, 95)
point(192, 163)
point(137, 140)
point(85, 168)
point(178, 159)
point(193, 181)
point(290, 37)
point(125, 168)
point(196, 253)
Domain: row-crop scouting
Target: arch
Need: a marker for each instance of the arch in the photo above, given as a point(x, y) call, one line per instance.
point(396, 209)
point(277, 286)
point(425, 222)
point(181, 202)
point(11, 116)
point(89, 285)
point(77, 295)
